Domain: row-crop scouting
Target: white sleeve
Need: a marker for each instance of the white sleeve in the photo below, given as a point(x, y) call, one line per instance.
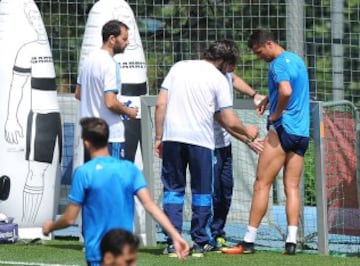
point(169, 79)
point(223, 94)
point(111, 75)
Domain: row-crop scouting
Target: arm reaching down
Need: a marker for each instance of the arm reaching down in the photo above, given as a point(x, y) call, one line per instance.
point(228, 120)
point(181, 247)
point(160, 112)
point(260, 101)
point(245, 133)
point(67, 219)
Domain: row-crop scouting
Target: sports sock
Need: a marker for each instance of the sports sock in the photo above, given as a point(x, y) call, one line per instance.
point(250, 234)
point(292, 232)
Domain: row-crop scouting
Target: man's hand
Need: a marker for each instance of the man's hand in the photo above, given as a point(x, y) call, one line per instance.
point(182, 248)
point(252, 131)
point(158, 148)
point(132, 112)
point(46, 228)
point(274, 117)
point(260, 102)
point(256, 145)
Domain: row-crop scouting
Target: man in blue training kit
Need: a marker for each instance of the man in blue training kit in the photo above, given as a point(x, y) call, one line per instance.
point(287, 139)
point(104, 189)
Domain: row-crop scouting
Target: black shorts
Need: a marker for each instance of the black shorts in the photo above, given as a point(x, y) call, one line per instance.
point(292, 143)
point(42, 132)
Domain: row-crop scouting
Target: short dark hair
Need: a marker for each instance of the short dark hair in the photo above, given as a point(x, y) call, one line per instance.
point(116, 239)
point(222, 49)
point(260, 37)
point(112, 27)
point(95, 130)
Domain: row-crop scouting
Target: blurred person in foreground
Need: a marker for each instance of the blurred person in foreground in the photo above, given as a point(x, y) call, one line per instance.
point(119, 248)
point(104, 190)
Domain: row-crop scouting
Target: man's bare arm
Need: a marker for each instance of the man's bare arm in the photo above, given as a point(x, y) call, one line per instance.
point(114, 105)
point(160, 111)
point(284, 93)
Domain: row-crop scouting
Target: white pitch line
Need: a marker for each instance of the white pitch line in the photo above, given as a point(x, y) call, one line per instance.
point(33, 263)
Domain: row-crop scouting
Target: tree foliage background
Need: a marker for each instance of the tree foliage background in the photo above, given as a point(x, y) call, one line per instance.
point(174, 30)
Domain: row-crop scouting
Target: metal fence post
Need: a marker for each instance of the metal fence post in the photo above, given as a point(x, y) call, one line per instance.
point(321, 200)
point(147, 151)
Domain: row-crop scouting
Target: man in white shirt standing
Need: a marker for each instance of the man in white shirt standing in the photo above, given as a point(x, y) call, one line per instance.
point(99, 83)
point(189, 96)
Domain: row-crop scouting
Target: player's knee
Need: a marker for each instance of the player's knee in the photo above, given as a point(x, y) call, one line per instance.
point(291, 186)
point(261, 185)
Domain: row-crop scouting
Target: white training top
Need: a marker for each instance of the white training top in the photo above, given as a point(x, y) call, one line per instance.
point(196, 88)
point(222, 137)
point(100, 74)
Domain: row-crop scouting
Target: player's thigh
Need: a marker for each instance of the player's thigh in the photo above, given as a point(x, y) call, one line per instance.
point(271, 159)
point(293, 169)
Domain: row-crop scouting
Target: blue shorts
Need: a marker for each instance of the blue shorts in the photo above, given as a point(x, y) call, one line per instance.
point(292, 143)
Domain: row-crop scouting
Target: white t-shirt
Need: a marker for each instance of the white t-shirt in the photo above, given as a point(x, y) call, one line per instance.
point(222, 137)
point(100, 74)
point(196, 88)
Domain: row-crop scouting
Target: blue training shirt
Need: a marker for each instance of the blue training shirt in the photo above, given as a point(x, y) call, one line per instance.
point(296, 116)
point(105, 188)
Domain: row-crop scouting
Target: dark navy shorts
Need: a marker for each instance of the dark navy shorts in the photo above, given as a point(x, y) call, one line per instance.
point(290, 142)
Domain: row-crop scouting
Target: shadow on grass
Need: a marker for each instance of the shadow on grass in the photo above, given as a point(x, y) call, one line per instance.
point(68, 243)
point(155, 251)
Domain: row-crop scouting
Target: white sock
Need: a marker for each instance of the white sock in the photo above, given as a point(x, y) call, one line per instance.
point(292, 233)
point(250, 234)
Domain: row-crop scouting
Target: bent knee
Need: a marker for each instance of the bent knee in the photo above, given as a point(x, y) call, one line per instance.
point(294, 184)
point(261, 184)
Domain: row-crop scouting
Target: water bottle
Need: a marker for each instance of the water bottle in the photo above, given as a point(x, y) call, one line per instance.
point(127, 104)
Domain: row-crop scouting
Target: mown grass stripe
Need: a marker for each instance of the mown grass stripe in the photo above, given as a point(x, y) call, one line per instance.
point(33, 263)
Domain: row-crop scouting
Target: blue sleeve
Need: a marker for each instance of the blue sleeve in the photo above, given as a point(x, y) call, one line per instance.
point(78, 187)
point(280, 71)
point(139, 180)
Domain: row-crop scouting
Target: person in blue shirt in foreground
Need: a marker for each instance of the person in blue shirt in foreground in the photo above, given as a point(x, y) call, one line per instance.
point(104, 189)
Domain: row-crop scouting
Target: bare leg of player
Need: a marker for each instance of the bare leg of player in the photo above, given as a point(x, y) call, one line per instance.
point(292, 175)
point(270, 162)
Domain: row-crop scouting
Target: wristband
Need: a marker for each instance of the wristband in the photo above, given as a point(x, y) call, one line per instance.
point(252, 96)
point(158, 138)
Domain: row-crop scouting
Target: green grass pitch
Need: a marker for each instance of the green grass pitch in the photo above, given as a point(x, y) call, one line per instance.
point(65, 252)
